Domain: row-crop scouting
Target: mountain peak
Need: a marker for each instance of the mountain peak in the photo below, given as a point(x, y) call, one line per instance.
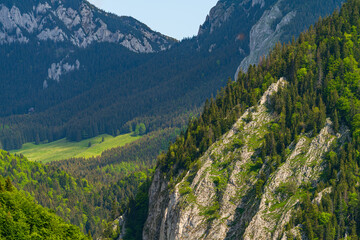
point(223, 10)
point(76, 23)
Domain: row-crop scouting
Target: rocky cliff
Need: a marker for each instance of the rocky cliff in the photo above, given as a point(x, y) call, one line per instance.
point(279, 22)
point(218, 199)
point(255, 26)
point(77, 23)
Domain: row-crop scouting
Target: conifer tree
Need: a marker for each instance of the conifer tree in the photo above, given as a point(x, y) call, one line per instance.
point(8, 185)
point(336, 121)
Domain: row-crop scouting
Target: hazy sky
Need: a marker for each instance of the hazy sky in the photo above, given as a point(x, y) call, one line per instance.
point(175, 18)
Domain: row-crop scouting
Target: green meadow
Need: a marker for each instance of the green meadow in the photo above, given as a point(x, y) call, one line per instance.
point(64, 149)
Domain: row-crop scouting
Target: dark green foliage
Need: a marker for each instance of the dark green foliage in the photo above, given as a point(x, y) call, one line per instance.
point(313, 93)
point(140, 129)
point(82, 202)
point(237, 143)
point(137, 213)
point(22, 218)
point(218, 116)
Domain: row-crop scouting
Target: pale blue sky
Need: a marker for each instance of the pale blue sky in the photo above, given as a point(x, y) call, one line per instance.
point(175, 18)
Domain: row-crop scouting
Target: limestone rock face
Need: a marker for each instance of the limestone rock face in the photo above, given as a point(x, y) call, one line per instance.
point(57, 69)
point(266, 33)
point(224, 10)
point(218, 200)
point(57, 21)
point(253, 27)
point(275, 24)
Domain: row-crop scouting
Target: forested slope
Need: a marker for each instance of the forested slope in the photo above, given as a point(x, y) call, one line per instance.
point(22, 218)
point(294, 154)
point(80, 201)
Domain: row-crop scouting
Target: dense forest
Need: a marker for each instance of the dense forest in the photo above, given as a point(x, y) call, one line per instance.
point(86, 205)
point(81, 201)
point(22, 218)
point(322, 70)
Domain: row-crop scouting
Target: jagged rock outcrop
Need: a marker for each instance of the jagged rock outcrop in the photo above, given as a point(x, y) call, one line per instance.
point(266, 33)
point(57, 69)
point(253, 27)
point(222, 12)
point(58, 21)
point(303, 165)
point(279, 23)
point(218, 201)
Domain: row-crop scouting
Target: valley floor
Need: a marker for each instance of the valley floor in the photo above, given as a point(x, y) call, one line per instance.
point(64, 149)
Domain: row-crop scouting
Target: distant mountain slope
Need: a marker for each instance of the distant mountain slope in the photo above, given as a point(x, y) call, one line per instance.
point(252, 27)
point(276, 154)
point(75, 22)
point(280, 23)
point(104, 88)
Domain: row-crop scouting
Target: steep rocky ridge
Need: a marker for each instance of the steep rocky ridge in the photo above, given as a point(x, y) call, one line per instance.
point(304, 165)
point(280, 21)
point(78, 23)
point(253, 27)
point(218, 201)
point(263, 36)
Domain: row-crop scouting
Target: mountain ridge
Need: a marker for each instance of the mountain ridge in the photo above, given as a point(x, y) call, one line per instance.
point(288, 167)
point(79, 27)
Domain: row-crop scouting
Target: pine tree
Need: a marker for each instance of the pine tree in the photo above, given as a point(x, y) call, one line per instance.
point(37, 139)
point(113, 209)
point(8, 185)
point(336, 122)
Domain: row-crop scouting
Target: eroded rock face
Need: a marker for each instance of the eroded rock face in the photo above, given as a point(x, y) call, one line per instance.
point(222, 12)
point(57, 22)
point(266, 33)
point(194, 209)
point(275, 25)
point(217, 16)
point(57, 69)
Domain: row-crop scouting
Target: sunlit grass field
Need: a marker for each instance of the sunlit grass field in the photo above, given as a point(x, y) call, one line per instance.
point(63, 149)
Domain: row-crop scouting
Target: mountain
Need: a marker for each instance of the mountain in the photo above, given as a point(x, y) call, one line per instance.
point(51, 37)
point(276, 154)
point(76, 23)
point(80, 92)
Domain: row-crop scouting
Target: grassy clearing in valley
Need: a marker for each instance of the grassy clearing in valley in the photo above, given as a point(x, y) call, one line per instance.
point(63, 149)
